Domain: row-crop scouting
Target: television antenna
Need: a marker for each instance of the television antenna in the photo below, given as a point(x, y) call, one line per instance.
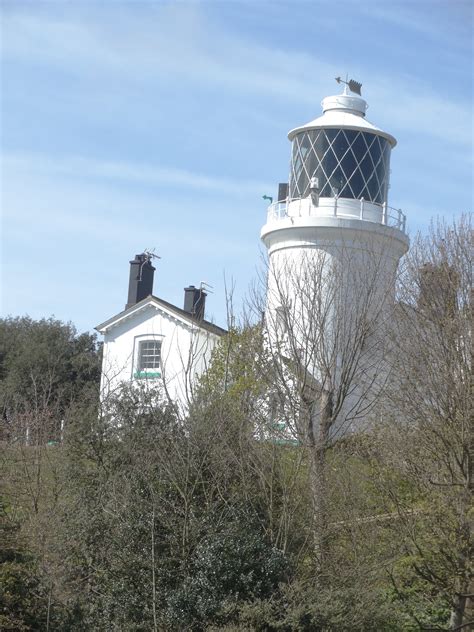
point(150, 254)
point(203, 286)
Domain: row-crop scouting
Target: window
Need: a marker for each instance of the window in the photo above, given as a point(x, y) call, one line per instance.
point(347, 163)
point(148, 359)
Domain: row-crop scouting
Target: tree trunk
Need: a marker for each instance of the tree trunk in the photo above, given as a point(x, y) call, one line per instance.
point(319, 424)
point(465, 588)
point(457, 613)
point(153, 575)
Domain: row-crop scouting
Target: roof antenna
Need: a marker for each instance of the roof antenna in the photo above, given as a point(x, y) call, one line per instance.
point(203, 286)
point(354, 86)
point(149, 255)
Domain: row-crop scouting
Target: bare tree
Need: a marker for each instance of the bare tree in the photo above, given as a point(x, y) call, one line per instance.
point(326, 319)
point(430, 443)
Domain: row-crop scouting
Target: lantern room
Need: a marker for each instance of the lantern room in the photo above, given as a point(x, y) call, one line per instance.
point(341, 154)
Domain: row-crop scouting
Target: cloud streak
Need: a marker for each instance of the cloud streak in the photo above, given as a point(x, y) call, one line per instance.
point(85, 168)
point(178, 42)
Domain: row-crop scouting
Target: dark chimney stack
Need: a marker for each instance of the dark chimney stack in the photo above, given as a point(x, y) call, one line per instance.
point(195, 301)
point(141, 279)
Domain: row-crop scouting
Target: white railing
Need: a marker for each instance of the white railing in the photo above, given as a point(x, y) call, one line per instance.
point(338, 207)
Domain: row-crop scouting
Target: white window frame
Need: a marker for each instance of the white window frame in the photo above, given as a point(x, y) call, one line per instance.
point(147, 373)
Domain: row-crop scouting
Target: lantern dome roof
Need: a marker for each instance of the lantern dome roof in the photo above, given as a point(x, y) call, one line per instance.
point(343, 111)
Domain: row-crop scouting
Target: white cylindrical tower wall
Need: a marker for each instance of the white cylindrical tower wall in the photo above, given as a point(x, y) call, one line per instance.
point(323, 276)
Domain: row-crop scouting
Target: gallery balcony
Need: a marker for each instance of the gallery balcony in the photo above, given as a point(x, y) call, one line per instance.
point(343, 208)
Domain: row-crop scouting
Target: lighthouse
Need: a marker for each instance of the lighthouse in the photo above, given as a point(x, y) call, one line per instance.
point(333, 246)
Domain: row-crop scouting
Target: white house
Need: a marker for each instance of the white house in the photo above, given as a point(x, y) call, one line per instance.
point(154, 344)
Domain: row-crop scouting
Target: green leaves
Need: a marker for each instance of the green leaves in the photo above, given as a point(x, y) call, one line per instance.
point(44, 364)
point(229, 567)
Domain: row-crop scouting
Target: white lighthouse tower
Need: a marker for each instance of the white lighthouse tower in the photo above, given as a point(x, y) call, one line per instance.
point(333, 248)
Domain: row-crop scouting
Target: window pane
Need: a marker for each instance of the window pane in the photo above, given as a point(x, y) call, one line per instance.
point(149, 354)
point(348, 164)
point(340, 145)
point(375, 151)
point(357, 184)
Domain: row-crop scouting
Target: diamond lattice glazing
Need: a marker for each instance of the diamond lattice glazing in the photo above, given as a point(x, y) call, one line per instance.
point(347, 163)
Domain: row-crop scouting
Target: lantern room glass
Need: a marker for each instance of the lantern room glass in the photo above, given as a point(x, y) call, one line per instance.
point(347, 163)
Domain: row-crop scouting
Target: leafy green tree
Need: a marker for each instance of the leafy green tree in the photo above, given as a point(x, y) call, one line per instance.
point(44, 363)
point(154, 502)
point(233, 565)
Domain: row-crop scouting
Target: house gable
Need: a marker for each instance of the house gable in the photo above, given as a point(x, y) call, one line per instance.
point(147, 308)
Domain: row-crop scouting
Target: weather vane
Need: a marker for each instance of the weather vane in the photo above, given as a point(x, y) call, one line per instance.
point(354, 86)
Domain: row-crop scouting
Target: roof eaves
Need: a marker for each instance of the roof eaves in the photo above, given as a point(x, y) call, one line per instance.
point(124, 314)
point(203, 324)
point(131, 311)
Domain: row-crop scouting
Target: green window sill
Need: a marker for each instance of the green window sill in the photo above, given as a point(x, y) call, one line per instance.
point(286, 442)
point(278, 425)
point(146, 375)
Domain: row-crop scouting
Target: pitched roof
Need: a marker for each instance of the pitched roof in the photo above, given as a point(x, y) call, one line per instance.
point(128, 313)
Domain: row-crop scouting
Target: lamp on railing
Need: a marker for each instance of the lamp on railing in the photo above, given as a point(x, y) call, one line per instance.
point(314, 191)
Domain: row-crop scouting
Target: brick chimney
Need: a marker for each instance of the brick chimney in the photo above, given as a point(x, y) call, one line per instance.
point(140, 284)
point(195, 301)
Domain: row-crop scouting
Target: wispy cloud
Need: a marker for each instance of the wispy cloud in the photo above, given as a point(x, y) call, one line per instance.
point(59, 226)
point(422, 18)
point(176, 43)
point(424, 113)
point(75, 197)
point(83, 168)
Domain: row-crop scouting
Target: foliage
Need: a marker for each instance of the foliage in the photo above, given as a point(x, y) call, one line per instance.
point(230, 567)
point(44, 364)
point(140, 519)
point(25, 597)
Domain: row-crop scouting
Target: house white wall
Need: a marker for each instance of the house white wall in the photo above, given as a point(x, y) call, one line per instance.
point(185, 353)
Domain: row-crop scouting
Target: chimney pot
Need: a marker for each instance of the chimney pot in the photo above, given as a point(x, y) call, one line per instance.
point(194, 301)
point(140, 284)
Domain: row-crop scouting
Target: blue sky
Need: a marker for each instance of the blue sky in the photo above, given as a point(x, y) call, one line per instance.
point(132, 125)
